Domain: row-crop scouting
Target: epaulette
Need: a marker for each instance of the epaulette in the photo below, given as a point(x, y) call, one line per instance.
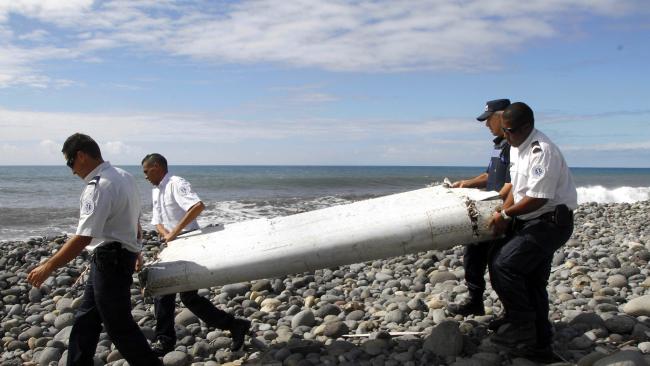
point(94, 181)
point(537, 148)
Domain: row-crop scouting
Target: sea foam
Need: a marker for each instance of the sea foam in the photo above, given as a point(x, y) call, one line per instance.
point(602, 194)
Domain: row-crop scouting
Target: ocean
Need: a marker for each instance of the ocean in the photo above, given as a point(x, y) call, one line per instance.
point(44, 200)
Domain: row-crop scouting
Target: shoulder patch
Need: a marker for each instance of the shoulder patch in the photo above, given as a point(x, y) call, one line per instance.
point(184, 189)
point(538, 171)
point(94, 181)
point(537, 148)
point(87, 206)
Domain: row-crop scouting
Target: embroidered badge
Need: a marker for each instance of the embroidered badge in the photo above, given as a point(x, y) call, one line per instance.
point(87, 207)
point(538, 171)
point(184, 189)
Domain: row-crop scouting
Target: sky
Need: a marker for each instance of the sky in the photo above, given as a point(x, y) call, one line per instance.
point(307, 82)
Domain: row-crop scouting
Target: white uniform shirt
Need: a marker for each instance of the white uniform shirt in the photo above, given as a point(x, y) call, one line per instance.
point(538, 170)
point(110, 208)
point(171, 199)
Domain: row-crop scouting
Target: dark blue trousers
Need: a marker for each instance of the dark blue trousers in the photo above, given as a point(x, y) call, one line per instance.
point(164, 310)
point(107, 300)
point(475, 261)
point(522, 266)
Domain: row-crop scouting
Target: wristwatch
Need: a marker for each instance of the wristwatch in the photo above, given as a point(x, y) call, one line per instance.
point(504, 215)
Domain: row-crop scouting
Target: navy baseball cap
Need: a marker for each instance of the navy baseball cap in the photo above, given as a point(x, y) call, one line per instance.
point(493, 106)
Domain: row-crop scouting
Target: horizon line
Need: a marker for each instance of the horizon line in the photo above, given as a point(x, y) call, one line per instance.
point(328, 165)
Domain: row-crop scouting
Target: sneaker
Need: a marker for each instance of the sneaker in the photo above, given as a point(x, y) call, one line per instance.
point(467, 308)
point(160, 348)
point(238, 331)
point(518, 334)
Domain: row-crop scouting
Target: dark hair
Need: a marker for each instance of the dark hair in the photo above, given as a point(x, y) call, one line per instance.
point(81, 142)
point(519, 114)
point(157, 159)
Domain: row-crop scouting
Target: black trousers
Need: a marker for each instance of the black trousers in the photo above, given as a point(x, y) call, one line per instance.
point(475, 261)
point(107, 300)
point(164, 310)
point(522, 266)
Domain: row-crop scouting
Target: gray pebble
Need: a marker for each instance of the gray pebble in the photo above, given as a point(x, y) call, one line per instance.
point(303, 318)
point(176, 358)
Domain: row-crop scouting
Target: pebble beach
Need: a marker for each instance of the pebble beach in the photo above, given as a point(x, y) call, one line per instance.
point(383, 312)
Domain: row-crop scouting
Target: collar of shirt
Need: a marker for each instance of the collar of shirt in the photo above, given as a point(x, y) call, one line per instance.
point(163, 182)
point(499, 142)
point(529, 140)
point(96, 171)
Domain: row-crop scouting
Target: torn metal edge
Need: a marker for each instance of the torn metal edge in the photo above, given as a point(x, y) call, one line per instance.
point(473, 215)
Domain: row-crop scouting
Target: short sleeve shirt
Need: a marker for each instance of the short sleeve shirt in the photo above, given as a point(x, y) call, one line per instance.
point(110, 208)
point(171, 199)
point(538, 170)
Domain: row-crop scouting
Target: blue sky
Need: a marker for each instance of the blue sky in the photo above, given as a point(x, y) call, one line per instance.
point(321, 82)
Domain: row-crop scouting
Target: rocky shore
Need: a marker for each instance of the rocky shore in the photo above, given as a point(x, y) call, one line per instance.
point(385, 312)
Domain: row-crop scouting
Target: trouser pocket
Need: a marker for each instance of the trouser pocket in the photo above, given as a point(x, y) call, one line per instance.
point(111, 258)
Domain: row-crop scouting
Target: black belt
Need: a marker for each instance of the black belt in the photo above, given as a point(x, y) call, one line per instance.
point(550, 217)
point(111, 246)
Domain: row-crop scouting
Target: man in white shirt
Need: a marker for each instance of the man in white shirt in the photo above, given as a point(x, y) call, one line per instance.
point(175, 209)
point(108, 226)
point(538, 211)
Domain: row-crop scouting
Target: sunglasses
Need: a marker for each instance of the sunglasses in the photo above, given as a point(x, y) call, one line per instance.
point(70, 161)
point(512, 130)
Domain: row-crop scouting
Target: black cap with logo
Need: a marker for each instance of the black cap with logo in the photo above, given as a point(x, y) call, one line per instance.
point(493, 106)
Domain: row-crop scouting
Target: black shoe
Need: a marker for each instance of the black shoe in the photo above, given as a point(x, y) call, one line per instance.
point(467, 308)
point(160, 348)
point(496, 323)
point(520, 334)
point(535, 353)
point(238, 331)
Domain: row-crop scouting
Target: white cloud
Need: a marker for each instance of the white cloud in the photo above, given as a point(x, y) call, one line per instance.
point(8, 149)
point(60, 10)
point(19, 65)
point(613, 147)
point(315, 98)
point(120, 148)
point(51, 147)
point(367, 35)
point(177, 127)
point(127, 137)
point(37, 35)
point(36, 137)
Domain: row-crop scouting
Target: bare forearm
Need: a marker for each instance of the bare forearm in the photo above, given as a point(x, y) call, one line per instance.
point(160, 228)
point(190, 216)
point(506, 196)
point(480, 181)
point(526, 205)
point(69, 251)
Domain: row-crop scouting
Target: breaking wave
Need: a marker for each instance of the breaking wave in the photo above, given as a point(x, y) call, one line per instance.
point(602, 194)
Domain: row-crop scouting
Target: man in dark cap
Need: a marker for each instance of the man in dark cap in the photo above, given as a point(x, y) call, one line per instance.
point(494, 178)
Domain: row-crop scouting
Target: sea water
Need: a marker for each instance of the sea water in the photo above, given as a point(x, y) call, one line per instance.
point(44, 200)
